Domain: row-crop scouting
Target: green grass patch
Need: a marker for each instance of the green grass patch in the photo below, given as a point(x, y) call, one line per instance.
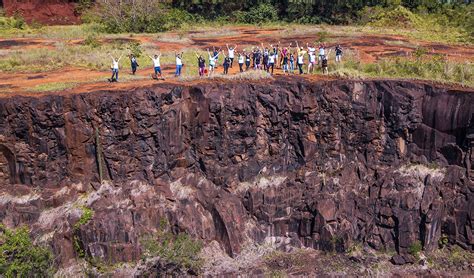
point(53, 87)
point(434, 68)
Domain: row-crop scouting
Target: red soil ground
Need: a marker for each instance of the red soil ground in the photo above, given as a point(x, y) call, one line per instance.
point(48, 12)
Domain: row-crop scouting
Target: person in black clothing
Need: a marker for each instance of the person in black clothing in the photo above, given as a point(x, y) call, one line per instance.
point(254, 55)
point(201, 64)
point(133, 63)
point(265, 61)
point(226, 64)
point(338, 53)
point(247, 61)
point(324, 64)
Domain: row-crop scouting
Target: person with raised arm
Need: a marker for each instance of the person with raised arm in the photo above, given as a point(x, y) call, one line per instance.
point(231, 53)
point(216, 52)
point(115, 68)
point(212, 61)
point(283, 53)
point(156, 65)
point(312, 58)
point(179, 63)
point(201, 64)
point(300, 58)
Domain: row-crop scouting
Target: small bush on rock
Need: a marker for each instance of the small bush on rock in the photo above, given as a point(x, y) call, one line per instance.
point(19, 257)
point(179, 249)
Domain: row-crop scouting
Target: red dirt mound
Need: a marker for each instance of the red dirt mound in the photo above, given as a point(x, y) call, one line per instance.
point(50, 12)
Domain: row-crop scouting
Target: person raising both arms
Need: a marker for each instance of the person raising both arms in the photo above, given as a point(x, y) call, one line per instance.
point(231, 53)
point(212, 62)
point(179, 63)
point(201, 65)
point(115, 68)
point(156, 65)
point(312, 58)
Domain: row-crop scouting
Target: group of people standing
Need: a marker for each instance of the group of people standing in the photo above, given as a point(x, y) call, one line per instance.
point(288, 58)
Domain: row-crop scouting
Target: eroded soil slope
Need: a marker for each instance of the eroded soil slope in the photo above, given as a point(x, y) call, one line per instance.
point(324, 165)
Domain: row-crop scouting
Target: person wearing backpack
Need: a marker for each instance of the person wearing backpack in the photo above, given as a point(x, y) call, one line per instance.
point(133, 63)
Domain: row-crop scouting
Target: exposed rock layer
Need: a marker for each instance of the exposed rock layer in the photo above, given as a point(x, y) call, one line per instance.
point(322, 165)
point(43, 11)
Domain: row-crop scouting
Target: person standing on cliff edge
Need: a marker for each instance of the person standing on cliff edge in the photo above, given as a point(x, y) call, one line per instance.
point(115, 68)
point(156, 65)
point(179, 63)
point(133, 63)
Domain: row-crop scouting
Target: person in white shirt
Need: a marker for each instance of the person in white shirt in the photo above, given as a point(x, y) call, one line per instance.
point(322, 52)
point(271, 61)
point(241, 60)
point(300, 60)
point(231, 51)
point(212, 61)
point(156, 64)
point(115, 68)
point(179, 63)
point(312, 58)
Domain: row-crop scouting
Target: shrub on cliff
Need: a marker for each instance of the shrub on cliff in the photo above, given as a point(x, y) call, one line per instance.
point(179, 249)
point(19, 257)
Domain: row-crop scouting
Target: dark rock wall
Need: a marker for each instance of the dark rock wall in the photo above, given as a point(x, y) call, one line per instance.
point(316, 164)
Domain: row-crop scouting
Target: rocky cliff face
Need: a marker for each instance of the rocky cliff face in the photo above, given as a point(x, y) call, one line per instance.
point(321, 165)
